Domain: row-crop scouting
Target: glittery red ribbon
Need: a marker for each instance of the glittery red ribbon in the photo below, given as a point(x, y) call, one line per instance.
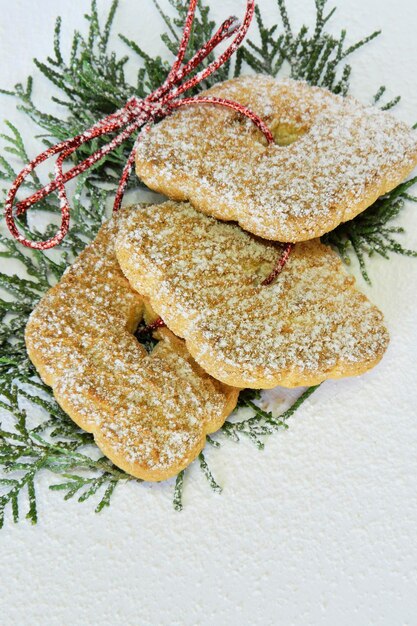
point(280, 264)
point(135, 115)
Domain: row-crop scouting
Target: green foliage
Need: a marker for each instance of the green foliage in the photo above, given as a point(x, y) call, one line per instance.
point(155, 70)
point(369, 233)
point(315, 55)
point(53, 445)
point(263, 423)
point(256, 428)
point(178, 491)
point(89, 83)
point(379, 96)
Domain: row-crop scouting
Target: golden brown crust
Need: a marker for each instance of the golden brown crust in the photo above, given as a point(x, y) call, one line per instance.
point(149, 413)
point(333, 158)
point(203, 277)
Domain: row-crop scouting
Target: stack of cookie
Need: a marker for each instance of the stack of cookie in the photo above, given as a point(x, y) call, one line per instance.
point(189, 263)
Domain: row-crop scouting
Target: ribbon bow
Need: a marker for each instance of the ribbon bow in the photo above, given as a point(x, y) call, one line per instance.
point(135, 115)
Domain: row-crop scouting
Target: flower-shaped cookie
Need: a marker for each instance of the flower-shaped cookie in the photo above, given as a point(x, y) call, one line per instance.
point(149, 413)
point(203, 277)
point(332, 158)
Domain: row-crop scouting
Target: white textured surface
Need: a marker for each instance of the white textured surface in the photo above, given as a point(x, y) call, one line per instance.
point(319, 529)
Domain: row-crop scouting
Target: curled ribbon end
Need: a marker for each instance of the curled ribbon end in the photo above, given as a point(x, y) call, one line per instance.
point(28, 243)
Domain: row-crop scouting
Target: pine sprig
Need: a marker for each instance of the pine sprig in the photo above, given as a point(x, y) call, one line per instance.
point(369, 233)
point(88, 85)
point(256, 428)
point(53, 445)
point(90, 82)
point(207, 473)
point(178, 491)
point(313, 55)
point(263, 423)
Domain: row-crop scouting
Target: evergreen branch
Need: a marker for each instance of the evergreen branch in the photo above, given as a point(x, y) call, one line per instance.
point(256, 427)
point(166, 20)
point(369, 232)
point(262, 423)
point(207, 473)
point(27, 450)
point(88, 487)
point(90, 82)
point(178, 491)
point(316, 57)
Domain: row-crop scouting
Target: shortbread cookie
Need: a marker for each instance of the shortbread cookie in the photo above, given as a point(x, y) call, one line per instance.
point(203, 277)
point(333, 157)
point(149, 413)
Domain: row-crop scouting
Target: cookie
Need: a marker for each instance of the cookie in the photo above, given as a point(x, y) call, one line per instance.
point(149, 413)
point(333, 157)
point(203, 277)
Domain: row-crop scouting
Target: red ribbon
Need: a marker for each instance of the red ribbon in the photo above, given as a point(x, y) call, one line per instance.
point(135, 115)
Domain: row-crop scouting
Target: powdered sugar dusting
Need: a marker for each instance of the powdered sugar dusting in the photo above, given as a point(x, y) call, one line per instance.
point(336, 157)
point(149, 413)
point(204, 278)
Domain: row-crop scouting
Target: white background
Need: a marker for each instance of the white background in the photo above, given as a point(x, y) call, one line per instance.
point(320, 528)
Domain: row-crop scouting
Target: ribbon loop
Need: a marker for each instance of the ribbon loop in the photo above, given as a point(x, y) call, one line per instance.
point(136, 114)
